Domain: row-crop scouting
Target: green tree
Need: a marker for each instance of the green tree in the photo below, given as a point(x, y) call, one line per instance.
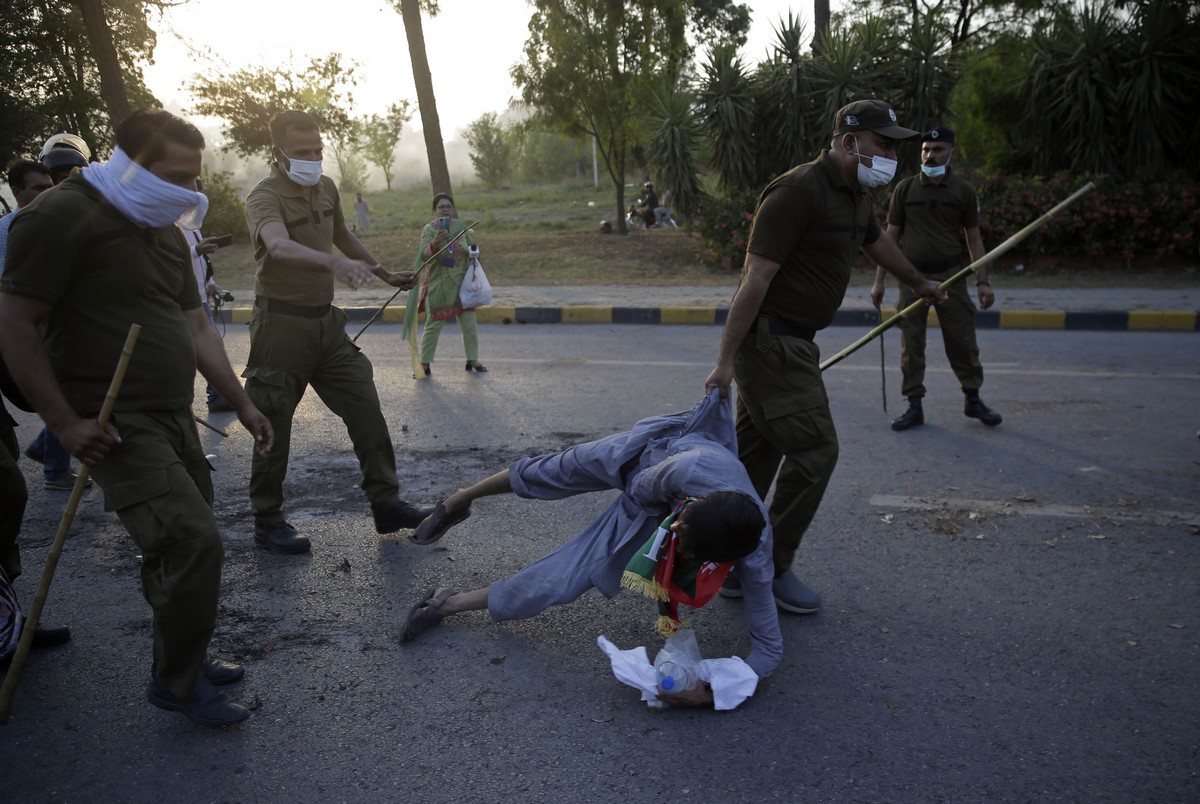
point(543, 155)
point(226, 210)
point(52, 75)
point(381, 133)
point(673, 146)
point(591, 66)
point(346, 146)
point(247, 99)
point(491, 150)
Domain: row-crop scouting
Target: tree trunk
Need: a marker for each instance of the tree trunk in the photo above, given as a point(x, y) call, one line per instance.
point(439, 173)
point(820, 24)
point(112, 83)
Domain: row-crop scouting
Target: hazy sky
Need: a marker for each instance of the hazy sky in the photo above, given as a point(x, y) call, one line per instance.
point(471, 45)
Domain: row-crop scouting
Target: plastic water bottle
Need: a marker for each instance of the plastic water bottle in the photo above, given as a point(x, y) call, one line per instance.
point(674, 676)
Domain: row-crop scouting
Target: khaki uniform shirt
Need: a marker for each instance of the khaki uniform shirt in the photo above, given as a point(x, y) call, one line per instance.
point(812, 222)
point(310, 215)
point(100, 272)
point(933, 214)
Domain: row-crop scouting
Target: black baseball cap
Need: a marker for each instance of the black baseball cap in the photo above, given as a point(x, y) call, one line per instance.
point(871, 115)
point(939, 134)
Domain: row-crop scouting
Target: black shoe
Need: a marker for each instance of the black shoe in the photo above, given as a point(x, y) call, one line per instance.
point(218, 671)
point(398, 515)
point(206, 707)
point(33, 455)
point(975, 409)
point(280, 538)
point(913, 417)
point(50, 636)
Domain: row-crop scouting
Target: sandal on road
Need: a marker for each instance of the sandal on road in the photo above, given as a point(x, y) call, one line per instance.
point(426, 614)
point(434, 526)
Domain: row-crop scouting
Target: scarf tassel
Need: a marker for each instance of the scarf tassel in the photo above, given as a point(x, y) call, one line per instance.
point(645, 586)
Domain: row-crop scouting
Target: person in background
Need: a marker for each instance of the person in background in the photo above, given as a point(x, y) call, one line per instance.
point(440, 283)
point(199, 247)
point(930, 216)
point(362, 215)
point(61, 154)
point(27, 180)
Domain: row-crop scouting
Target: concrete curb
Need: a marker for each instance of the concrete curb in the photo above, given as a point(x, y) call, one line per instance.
point(1097, 320)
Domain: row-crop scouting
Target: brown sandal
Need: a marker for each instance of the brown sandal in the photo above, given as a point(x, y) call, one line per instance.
point(426, 614)
point(434, 526)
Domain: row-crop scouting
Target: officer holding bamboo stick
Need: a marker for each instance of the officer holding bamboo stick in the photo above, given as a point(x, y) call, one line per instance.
point(85, 262)
point(930, 215)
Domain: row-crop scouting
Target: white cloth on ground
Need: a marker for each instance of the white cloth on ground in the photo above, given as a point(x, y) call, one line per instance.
point(731, 679)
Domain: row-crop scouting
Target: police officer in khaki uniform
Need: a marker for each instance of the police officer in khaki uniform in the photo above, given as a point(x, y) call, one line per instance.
point(85, 261)
point(809, 224)
point(929, 215)
point(298, 338)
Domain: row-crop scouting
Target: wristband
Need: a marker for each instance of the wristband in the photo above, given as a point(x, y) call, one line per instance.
point(983, 282)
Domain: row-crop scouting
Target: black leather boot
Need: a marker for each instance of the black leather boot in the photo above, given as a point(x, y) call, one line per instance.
point(913, 417)
point(974, 408)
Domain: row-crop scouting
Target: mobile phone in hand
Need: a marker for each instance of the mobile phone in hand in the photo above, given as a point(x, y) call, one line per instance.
point(223, 241)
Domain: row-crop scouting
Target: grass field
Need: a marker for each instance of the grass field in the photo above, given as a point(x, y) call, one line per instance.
point(549, 235)
point(543, 235)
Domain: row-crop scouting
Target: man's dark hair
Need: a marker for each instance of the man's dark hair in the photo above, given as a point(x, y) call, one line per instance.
point(144, 135)
point(292, 118)
point(18, 172)
point(439, 197)
point(722, 526)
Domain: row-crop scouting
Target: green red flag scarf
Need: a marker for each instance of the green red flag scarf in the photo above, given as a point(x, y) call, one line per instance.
point(659, 572)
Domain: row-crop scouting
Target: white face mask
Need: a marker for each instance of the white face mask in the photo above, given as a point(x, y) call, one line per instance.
point(143, 197)
point(303, 172)
point(933, 171)
point(881, 172)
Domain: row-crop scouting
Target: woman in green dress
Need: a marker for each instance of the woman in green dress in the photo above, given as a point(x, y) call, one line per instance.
point(439, 284)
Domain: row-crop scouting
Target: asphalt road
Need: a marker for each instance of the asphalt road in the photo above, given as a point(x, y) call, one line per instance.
point(1010, 613)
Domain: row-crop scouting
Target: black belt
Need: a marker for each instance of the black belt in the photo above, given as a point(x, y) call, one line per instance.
point(784, 329)
point(937, 266)
point(283, 308)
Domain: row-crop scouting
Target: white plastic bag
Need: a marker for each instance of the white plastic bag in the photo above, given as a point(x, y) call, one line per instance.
point(677, 665)
point(475, 290)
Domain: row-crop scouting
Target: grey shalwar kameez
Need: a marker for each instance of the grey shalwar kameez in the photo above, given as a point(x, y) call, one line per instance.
point(659, 462)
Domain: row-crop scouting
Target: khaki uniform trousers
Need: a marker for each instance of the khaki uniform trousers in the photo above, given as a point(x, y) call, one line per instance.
point(956, 317)
point(160, 485)
point(288, 353)
point(783, 418)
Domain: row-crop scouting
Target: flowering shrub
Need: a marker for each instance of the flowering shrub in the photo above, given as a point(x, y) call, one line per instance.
point(724, 225)
point(1143, 217)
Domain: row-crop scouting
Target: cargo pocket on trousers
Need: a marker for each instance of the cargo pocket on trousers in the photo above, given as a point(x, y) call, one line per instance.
point(799, 420)
point(127, 493)
point(267, 389)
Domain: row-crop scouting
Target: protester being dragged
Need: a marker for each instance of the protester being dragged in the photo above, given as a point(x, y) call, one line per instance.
point(681, 466)
point(440, 283)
